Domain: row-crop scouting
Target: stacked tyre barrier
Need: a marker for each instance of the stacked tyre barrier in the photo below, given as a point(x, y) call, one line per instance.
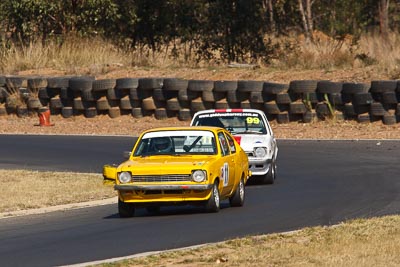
point(298, 100)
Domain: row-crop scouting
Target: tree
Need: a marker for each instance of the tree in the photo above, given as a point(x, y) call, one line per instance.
point(383, 9)
point(305, 7)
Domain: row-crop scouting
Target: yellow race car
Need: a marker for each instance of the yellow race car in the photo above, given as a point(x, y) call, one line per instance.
point(181, 165)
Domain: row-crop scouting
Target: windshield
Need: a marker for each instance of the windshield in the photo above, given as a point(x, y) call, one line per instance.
point(246, 122)
point(176, 143)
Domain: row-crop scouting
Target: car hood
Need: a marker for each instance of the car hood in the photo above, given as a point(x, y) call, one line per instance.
point(249, 141)
point(166, 164)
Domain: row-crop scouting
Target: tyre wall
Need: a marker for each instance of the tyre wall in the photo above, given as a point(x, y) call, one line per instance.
point(299, 100)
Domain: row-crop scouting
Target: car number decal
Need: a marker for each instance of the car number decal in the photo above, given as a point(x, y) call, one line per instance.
point(225, 174)
point(251, 120)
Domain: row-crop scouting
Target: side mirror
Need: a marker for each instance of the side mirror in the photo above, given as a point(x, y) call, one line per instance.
point(126, 154)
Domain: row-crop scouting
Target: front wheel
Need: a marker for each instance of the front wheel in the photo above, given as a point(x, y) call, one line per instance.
point(237, 199)
point(270, 177)
point(213, 203)
point(125, 210)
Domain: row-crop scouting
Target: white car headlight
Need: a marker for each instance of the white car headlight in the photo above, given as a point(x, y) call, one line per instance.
point(199, 176)
point(125, 177)
point(260, 152)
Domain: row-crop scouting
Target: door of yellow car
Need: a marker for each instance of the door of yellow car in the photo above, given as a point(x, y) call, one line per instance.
point(227, 172)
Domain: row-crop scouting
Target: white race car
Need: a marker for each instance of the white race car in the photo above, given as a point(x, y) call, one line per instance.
point(252, 131)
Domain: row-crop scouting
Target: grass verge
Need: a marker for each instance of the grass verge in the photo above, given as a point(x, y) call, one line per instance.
point(24, 189)
point(362, 242)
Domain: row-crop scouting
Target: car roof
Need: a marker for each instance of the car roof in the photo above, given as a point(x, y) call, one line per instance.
point(233, 110)
point(186, 128)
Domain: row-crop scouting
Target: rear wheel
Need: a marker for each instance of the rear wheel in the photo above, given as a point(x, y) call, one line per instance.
point(213, 203)
point(125, 209)
point(237, 199)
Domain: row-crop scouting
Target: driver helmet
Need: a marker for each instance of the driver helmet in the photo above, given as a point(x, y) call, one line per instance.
point(163, 144)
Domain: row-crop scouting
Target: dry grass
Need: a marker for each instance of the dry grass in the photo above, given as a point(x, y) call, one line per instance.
point(96, 56)
point(373, 242)
point(22, 190)
point(74, 56)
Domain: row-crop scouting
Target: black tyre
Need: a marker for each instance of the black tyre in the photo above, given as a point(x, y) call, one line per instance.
point(150, 83)
point(67, 112)
point(2, 80)
point(56, 103)
point(33, 103)
point(58, 82)
point(283, 98)
point(362, 99)
point(383, 86)
point(103, 85)
point(213, 203)
point(80, 84)
point(173, 84)
point(297, 108)
point(309, 116)
point(127, 83)
point(237, 199)
point(354, 88)
point(389, 119)
point(363, 118)
point(137, 113)
point(389, 98)
point(186, 95)
point(160, 114)
point(303, 86)
point(282, 117)
point(275, 88)
point(225, 86)
point(270, 176)
point(221, 104)
point(250, 86)
point(90, 112)
point(125, 209)
point(197, 105)
point(377, 109)
point(184, 114)
point(66, 93)
point(36, 83)
point(328, 87)
point(271, 108)
point(173, 104)
point(200, 85)
point(256, 97)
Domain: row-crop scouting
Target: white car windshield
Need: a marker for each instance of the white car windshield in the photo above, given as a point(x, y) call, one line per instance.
point(176, 143)
point(236, 123)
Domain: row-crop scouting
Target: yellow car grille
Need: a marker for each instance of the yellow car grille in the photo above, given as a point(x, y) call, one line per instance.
point(161, 178)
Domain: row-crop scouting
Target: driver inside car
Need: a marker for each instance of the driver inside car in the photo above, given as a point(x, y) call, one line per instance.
point(162, 145)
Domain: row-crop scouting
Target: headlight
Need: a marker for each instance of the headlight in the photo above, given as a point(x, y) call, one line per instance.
point(125, 177)
point(260, 152)
point(199, 176)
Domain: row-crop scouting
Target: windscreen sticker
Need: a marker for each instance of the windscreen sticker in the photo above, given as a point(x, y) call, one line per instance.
point(229, 114)
point(253, 120)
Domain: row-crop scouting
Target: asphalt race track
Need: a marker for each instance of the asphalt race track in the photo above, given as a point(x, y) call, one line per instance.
point(319, 183)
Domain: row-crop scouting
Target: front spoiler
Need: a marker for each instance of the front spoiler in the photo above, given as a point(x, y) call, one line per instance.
point(163, 187)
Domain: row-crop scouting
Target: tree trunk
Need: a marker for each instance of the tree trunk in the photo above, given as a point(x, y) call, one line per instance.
point(306, 17)
point(384, 18)
point(269, 11)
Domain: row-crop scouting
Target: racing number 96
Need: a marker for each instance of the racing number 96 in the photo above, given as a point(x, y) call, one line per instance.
point(251, 120)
